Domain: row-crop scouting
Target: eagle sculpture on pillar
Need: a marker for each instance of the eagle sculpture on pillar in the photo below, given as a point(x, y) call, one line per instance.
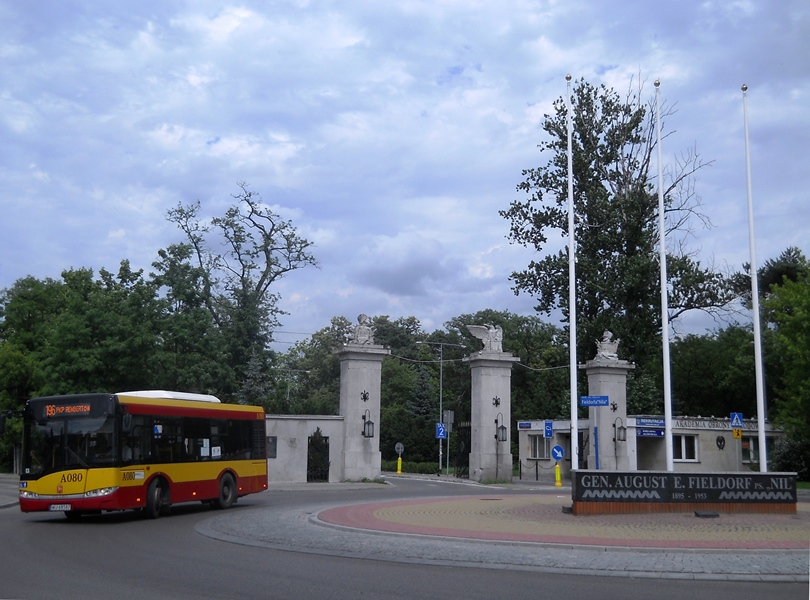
point(490, 335)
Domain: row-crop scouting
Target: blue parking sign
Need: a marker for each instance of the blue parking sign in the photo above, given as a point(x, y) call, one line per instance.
point(548, 429)
point(441, 431)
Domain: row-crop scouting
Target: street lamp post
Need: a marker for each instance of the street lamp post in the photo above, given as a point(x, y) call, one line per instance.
point(441, 346)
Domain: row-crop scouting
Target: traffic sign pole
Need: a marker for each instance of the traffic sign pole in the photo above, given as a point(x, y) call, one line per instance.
point(736, 430)
point(400, 448)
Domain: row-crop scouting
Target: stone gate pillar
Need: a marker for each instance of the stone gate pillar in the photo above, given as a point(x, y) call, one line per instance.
point(607, 376)
point(491, 372)
point(360, 378)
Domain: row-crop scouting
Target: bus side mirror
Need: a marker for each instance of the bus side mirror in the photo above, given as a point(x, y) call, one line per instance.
point(126, 423)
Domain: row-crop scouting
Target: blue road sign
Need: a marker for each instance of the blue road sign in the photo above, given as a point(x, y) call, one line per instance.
point(736, 420)
point(557, 453)
point(548, 429)
point(441, 431)
point(649, 422)
point(594, 400)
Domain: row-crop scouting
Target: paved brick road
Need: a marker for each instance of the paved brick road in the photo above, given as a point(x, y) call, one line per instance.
point(540, 519)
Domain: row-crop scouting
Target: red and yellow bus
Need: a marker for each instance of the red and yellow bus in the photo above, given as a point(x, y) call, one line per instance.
point(144, 450)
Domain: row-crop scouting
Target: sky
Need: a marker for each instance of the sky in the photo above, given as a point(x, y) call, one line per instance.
point(390, 133)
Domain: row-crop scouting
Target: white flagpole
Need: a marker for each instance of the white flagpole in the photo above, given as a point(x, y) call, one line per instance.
point(763, 451)
point(664, 300)
point(572, 304)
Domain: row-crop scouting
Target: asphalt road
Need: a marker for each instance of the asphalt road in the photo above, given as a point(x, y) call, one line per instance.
point(125, 556)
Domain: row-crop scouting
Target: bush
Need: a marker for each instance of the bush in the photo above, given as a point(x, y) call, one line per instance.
point(790, 454)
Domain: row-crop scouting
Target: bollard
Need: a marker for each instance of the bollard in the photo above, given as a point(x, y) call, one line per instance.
point(399, 465)
point(557, 479)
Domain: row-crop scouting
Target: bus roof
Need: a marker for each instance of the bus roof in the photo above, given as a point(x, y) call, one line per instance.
point(171, 395)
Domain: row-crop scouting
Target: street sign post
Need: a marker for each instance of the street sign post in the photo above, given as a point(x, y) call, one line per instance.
point(441, 431)
point(400, 448)
point(448, 416)
point(736, 430)
point(558, 453)
point(548, 429)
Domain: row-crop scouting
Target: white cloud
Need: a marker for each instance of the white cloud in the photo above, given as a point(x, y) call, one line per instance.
point(391, 133)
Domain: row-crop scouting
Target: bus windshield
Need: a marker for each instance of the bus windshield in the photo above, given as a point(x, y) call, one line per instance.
point(69, 443)
point(75, 434)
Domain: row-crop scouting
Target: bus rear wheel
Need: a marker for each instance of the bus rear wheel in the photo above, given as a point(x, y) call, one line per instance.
point(227, 492)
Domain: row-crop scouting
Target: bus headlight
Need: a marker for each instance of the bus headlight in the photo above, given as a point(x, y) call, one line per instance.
point(28, 495)
point(106, 491)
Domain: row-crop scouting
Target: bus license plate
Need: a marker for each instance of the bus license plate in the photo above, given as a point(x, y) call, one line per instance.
point(60, 507)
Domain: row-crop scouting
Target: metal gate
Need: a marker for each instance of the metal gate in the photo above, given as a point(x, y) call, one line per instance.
point(318, 457)
point(463, 431)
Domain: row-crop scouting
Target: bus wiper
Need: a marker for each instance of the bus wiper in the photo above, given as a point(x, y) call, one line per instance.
point(78, 458)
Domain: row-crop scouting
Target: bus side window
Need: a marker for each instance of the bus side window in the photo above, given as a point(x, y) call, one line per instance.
point(141, 438)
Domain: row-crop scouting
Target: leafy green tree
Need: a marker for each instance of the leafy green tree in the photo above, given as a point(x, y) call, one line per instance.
point(84, 333)
point(422, 409)
point(789, 265)
point(239, 257)
point(616, 226)
point(28, 310)
point(788, 309)
point(104, 336)
point(399, 335)
point(396, 425)
point(312, 368)
point(713, 374)
point(256, 386)
point(191, 354)
point(423, 403)
point(18, 378)
point(398, 382)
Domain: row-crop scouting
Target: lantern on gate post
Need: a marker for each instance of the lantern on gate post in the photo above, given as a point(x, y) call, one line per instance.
point(368, 425)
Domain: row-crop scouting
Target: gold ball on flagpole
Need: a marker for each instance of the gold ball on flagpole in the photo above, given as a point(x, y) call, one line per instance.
point(744, 88)
point(568, 77)
point(657, 82)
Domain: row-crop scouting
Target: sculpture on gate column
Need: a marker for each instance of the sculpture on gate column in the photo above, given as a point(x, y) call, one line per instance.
point(490, 335)
point(363, 332)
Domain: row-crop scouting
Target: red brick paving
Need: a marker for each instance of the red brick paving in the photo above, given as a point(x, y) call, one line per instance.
point(540, 519)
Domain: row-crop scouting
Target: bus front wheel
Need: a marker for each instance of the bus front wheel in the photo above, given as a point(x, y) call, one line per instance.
point(227, 492)
point(154, 500)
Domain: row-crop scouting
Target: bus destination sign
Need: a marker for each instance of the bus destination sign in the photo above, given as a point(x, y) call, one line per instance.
point(55, 410)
